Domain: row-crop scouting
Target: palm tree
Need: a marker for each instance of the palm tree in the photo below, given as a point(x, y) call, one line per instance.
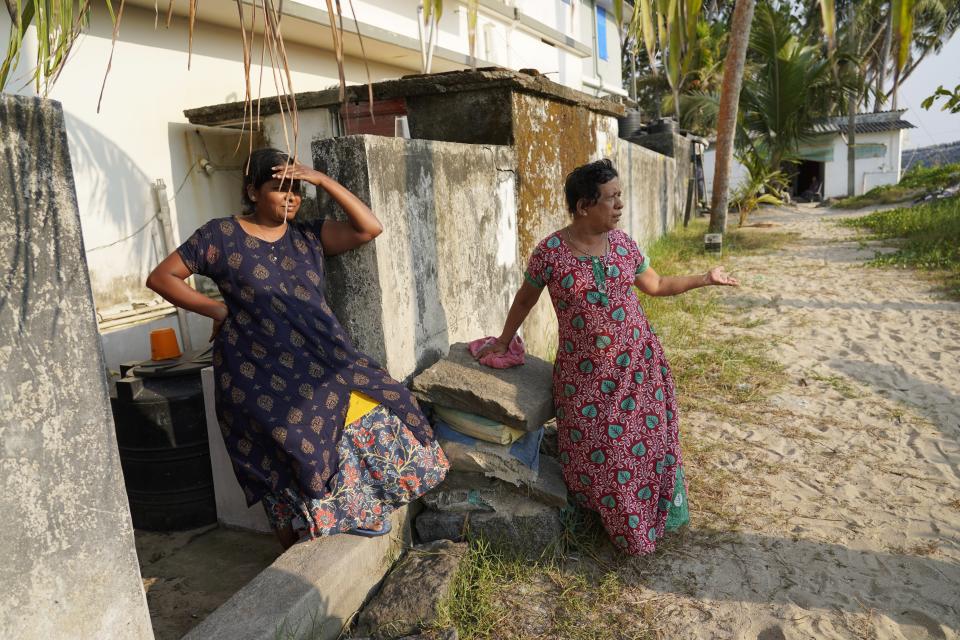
point(667, 30)
point(784, 71)
point(727, 118)
point(727, 121)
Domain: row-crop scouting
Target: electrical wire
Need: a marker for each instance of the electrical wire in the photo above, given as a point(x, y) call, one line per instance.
point(150, 219)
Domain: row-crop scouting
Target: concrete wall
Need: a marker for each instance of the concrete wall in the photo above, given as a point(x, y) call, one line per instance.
point(445, 268)
point(551, 139)
point(69, 566)
point(141, 135)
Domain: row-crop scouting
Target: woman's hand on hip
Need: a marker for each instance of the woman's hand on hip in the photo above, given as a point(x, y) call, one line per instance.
point(218, 320)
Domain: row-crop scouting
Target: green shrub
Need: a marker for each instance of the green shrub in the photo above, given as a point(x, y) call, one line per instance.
point(930, 232)
point(915, 182)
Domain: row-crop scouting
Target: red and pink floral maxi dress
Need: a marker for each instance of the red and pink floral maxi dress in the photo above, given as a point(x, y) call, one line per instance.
point(616, 409)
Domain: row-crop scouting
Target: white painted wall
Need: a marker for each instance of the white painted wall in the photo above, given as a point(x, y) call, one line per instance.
point(738, 173)
point(870, 172)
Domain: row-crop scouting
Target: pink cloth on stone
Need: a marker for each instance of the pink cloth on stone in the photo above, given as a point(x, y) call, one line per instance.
point(512, 358)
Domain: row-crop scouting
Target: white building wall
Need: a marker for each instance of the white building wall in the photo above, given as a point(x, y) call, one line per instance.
point(738, 173)
point(600, 77)
point(870, 172)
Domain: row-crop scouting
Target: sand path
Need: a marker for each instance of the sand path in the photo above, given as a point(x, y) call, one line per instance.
point(851, 514)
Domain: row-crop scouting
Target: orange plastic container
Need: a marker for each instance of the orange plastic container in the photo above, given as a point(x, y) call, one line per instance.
point(164, 344)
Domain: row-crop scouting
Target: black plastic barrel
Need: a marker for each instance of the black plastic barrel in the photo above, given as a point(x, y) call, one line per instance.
point(630, 123)
point(161, 429)
point(663, 125)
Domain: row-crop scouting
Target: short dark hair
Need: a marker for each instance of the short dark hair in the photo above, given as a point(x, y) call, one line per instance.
point(583, 183)
point(259, 170)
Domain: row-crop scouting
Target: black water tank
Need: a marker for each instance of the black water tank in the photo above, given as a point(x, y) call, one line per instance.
point(630, 123)
point(162, 435)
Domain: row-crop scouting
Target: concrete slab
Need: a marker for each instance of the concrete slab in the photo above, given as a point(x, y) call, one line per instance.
point(69, 567)
point(519, 397)
point(232, 509)
point(311, 591)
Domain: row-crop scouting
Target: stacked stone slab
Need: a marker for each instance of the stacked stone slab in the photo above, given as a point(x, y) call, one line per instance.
point(489, 493)
point(409, 600)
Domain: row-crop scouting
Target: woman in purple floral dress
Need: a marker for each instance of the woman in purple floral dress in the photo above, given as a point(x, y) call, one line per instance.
point(316, 430)
point(616, 409)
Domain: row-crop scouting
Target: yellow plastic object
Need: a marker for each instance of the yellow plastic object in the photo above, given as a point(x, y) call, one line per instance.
point(360, 405)
point(478, 427)
point(164, 344)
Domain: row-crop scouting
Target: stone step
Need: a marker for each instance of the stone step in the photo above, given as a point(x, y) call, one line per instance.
point(410, 596)
point(462, 491)
point(518, 523)
point(312, 591)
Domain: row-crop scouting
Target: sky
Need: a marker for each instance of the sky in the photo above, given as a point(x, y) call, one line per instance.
point(934, 126)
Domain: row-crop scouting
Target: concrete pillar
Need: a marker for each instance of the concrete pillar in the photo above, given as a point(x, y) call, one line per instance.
point(69, 566)
point(445, 268)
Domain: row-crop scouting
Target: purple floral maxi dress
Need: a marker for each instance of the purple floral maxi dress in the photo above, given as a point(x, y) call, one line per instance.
point(616, 410)
point(285, 370)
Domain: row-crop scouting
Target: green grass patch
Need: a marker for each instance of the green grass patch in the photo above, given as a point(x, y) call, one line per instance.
point(915, 182)
point(928, 238)
point(499, 596)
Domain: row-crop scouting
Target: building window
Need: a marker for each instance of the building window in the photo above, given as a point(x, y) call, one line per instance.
point(601, 33)
point(869, 150)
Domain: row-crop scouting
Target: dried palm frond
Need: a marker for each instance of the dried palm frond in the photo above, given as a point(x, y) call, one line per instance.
point(58, 23)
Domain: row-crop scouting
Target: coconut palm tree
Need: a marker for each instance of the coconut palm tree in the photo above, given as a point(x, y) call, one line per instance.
point(783, 72)
point(727, 121)
point(668, 32)
point(727, 117)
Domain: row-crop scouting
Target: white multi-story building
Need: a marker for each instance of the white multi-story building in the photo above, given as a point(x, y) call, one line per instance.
point(140, 135)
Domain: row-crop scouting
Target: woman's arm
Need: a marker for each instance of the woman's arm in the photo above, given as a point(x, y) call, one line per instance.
point(523, 302)
point(361, 226)
point(653, 284)
point(168, 280)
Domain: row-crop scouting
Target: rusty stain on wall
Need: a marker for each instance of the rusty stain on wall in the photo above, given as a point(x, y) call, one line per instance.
point(551, 139)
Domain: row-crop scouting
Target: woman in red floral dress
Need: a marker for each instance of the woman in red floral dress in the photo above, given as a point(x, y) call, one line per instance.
point(617, 414)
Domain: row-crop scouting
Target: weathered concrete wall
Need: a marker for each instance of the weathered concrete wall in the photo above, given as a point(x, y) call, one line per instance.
point(551, 139)
point(654, 188)
point(445, 268)
point(69, 567)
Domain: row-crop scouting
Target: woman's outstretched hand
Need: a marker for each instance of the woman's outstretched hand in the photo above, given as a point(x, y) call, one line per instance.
point(717, 276)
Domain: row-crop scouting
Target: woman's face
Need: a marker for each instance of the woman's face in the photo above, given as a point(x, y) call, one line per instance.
point(605, 214)
point(275, 200)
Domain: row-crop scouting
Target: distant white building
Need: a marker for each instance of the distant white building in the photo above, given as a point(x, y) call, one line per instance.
point(141, 136)
point(878, 147)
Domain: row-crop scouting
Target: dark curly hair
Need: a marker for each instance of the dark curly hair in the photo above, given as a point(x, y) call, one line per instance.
point(259, 167)
point(583, 183)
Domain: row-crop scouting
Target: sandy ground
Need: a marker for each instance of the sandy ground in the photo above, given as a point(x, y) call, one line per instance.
point(188, 574)
point(851, 512)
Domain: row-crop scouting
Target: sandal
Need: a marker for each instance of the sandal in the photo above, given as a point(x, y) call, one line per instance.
point(372, 533)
